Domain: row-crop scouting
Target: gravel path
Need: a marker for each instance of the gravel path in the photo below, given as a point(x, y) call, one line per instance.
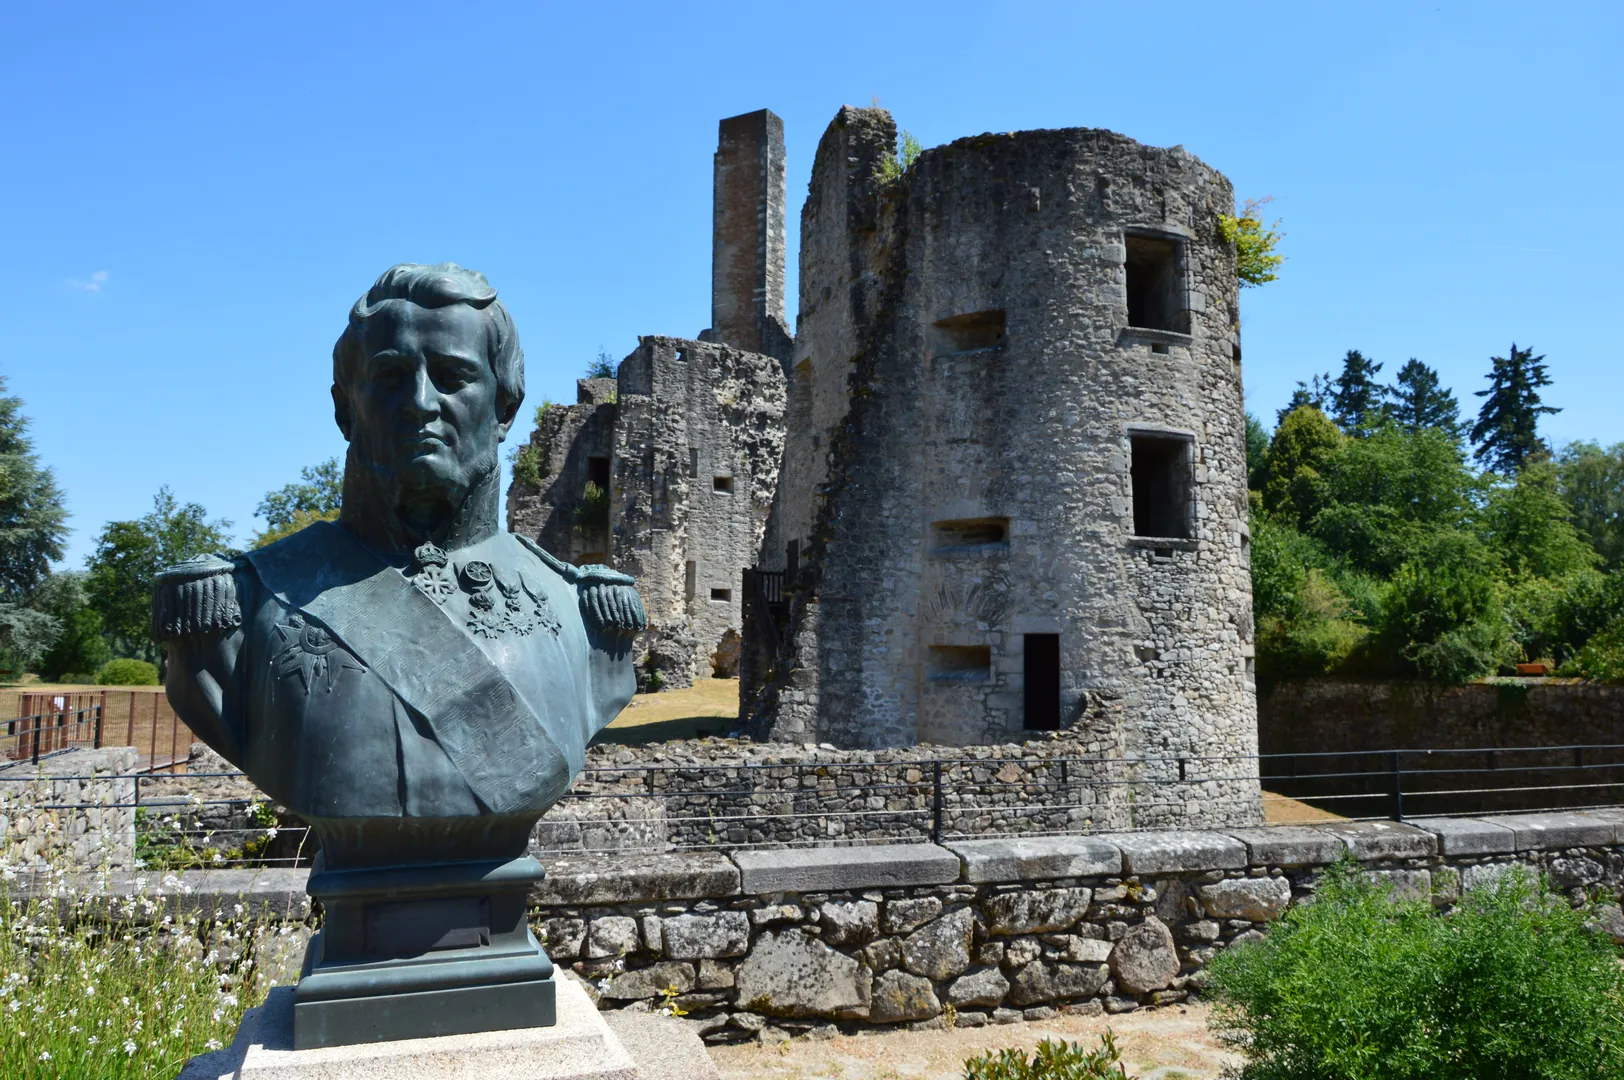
point(1158, 1044)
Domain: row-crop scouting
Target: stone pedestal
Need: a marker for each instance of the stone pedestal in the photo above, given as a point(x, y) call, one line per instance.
point(580, 1046)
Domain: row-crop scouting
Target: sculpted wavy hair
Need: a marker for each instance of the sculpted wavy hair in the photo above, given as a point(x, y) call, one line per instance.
point(432, 287)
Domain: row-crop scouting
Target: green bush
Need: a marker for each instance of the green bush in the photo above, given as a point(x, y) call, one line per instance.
point(1053, 1060)
point(127, 672)
point(1602, 658)
point(1361, 986)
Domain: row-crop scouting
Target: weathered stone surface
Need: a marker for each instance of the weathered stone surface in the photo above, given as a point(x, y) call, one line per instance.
point(1371, 840)
point(986, 987)
point(562, 938)
point(1406, 884)
point(714, 976)
point(790, 974)
point(849, 924)
point(1146, 958)
point(1468, 836)
point(575, 880)
point(1573, 872)
point(651, 981)
point(612, 935)
point(884, 954)
point(899, 996)
point(1256, 899)
point(940, 949)
point(695, 937)
point(1036, 911)
point(1609, 919)
point(1557, 830)
point(1174, 852)
point(1036, 859)
point(801, 870)
point(1042, 981)
point(1289, 845)
point(1485, 875)
point(1084, 950)
point(903, 916)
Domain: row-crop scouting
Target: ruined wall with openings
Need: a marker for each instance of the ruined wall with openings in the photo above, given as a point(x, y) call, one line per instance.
point(1016, 468)
point(685, 445)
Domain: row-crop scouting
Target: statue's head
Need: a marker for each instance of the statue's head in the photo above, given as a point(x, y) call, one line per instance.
point(427, 379)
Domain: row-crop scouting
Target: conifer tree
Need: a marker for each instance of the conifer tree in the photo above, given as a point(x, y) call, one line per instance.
point(1420, 401)
point(1506, 432)
point(1356, 398)
point(1314, 394)
point(33, 519)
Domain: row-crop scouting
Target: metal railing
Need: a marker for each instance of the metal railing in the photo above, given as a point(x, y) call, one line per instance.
point(140, 718)
point(198, 819)
point(27, 737)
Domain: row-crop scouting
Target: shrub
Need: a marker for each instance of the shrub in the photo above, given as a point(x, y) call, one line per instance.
point(1053, 1060)
point(527, 465)
point(1361, 986)
point(1602, 658)
point(127, 672)
point(592, 512)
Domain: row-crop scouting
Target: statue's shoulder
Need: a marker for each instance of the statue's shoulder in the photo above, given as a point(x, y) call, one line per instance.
point(608, 598)
point(198, 596)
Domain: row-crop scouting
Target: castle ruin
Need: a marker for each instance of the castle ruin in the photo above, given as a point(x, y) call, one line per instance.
point(1012, 494)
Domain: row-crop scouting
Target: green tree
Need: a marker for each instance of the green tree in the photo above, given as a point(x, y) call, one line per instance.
point(1526, 523)
point(129, 553)
point(1313, 394)
point(602, 366)
point(79, 648)
point(1591, 480)
point(1506, 433)
point(1444, 612)
point(33, 519)
point(1356, 398)
point(1303, 443)
point(1256, 262)
point(1257, 452)
point(316, 496)
point(1419, 401)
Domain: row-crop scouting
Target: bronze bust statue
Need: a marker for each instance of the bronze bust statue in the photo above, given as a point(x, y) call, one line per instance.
point(415, 682)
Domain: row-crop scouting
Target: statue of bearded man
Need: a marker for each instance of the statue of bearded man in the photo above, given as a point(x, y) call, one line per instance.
point(416, 683)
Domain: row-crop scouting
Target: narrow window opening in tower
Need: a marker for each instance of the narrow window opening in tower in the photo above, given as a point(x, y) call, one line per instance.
point(960, 663)
point(1155, 284)
point(722, 485)
point(969, 332)
point(1041, 683)
point(1163, 487)
point(690, 577)
point(722, 596)
point(971, 534)
point(693, 461)
point(597, 471)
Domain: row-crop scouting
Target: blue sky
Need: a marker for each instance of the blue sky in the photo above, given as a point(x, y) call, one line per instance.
point(195, 194)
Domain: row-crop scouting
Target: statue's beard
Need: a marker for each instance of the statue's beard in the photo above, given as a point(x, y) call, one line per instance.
point(402, 508)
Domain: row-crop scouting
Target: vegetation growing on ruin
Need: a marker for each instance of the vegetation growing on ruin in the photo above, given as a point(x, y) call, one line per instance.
point(1052, 1060)
point(893, 166)
point(1256, 261)
point(527, 464)
point(1378, 550)
point(1363, 985)
point(592, 512)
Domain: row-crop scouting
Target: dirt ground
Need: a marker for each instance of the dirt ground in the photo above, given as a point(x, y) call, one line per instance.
point(1171, 1043)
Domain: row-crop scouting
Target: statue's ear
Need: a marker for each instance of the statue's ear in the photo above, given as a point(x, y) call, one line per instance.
point(341, 411)
point(506, 410)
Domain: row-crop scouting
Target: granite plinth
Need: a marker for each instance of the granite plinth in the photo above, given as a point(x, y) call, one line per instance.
point(580, 1046)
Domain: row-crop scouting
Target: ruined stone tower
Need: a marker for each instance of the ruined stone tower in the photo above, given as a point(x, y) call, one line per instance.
point(1013, 496)
point(667, 471)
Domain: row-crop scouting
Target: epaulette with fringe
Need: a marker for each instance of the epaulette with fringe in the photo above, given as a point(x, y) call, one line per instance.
point(608, 598)
point(198, 596)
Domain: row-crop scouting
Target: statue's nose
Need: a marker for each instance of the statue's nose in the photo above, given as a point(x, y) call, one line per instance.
point(425, 398)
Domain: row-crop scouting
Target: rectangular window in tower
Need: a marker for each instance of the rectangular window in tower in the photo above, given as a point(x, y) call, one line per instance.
point(693, 461)
point(722, 596)
point(968, 332)
point(1163, 488)
point(969, 535)
point(1155, 274)
point(1041, 683)
point(960, 663)
point(597, 471)
point(689, 577)
point(722, 485)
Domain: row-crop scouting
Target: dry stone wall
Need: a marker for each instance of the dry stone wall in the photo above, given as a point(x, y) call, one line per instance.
point(71, 808)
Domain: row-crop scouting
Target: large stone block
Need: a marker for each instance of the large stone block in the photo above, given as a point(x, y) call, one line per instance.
point(1146, 958)
point(1371, 840)
point(802, 870)
point(1036, 911)
point(941, 949)
point(1557, 830)
point(899, 996)
point(984, 989)
point(1289, 845)
point(849, 924)
point(1037, 859)
point(1177, 852)
point(593, 879)
point(1257, 899)
point(1468, 836)
point(1040, 982)
point(705, 937)
point(791, 974)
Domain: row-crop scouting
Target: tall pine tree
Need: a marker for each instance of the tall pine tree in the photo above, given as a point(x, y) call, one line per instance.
point(33, 519)
point(1506, 432)
point(1315, 393)
point(1420, 401)
point(1357, 399)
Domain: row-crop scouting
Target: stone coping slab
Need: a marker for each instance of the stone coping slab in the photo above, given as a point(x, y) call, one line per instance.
point(616, 879)
point(273, 892)
point(1557, 830)
point(1290, 845)
point(1173, 852)
point(831, 869)
point(1039, 858)
point(1368, 840)
point(1469, 836)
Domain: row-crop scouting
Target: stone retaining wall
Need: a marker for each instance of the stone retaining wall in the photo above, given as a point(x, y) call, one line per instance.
point(72, 807)
point(773, 943)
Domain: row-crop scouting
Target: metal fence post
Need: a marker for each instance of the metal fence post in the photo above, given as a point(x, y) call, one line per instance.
point(1398, 785)
point(936, 803)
